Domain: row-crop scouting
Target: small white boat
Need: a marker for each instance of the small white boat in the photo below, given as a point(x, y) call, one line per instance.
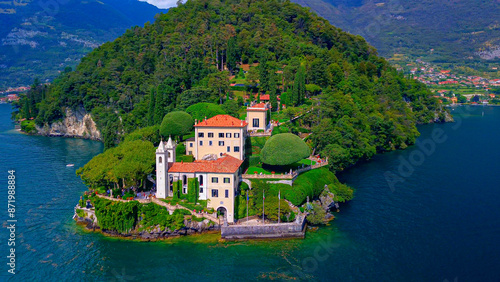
point(70, 165)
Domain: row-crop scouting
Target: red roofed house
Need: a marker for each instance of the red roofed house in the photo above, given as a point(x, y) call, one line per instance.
point(218, 178)
point(448, 82)
point(12, 97)
point(265, 97)
point(221, 134)
point(257, 116)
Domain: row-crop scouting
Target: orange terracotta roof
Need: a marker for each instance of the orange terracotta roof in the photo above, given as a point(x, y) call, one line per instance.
point(222, 121)
point(258, 108)
point(264, 97)
point(225, 164)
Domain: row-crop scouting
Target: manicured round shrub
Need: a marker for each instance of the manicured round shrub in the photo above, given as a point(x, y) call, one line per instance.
point(284, 149)
point(176, 124)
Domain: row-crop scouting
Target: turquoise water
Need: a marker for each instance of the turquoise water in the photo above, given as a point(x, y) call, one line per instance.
point(442, 222)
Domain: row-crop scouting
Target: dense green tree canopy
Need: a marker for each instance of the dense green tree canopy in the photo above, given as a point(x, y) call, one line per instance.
point(176, 124)
point(284, 149)
point(200, 111)
point(128, 164)
point(364, 105)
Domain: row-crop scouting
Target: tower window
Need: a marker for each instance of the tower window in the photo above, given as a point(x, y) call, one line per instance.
point(160, 160)
point(255, 122)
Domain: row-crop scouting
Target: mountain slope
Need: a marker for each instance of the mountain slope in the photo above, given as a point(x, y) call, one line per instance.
point(38, 40)
point(458, 31)
point(361, 105)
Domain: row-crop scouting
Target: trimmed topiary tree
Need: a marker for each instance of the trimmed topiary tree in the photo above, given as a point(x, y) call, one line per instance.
point(193, 190)
point(177, 186)
point(176, 124)
point(284, 149)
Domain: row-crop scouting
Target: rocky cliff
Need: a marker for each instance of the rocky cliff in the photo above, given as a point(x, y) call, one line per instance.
point(76, 123)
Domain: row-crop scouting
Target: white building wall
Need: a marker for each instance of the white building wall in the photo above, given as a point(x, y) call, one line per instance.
point(161, 175)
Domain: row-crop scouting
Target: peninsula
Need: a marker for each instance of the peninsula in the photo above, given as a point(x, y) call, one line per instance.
point(227, 113)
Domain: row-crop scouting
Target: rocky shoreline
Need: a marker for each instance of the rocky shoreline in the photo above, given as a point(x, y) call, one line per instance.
point(154, 234)
point(76, 123)
point(192, 227)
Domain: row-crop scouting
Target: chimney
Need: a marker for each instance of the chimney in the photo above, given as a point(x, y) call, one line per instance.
point(205, 117)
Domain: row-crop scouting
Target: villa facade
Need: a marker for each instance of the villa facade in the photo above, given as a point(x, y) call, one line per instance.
point(216, 136)
point(218, 178)
point(257, 116)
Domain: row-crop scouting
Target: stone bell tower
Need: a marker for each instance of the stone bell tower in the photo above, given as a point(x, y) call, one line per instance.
point(165, 155)
point(170, 147)
point(162, 172)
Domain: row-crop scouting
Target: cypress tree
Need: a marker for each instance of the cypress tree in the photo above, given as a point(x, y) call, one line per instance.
point(263, 75)
point(231, 54)
point(159, 110)
point(26, 108)
point(292, 95)
point(299, 87)
point(151, 110)
point(272, 93)
point(177, 186)
point(193, 190)
point(284, 100)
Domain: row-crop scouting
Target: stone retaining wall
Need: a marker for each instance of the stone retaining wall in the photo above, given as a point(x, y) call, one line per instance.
point(295, 229)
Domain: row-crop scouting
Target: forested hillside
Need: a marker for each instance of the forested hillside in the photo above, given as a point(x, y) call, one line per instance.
point(463, 32)
point(360, 104)
point(40, 38)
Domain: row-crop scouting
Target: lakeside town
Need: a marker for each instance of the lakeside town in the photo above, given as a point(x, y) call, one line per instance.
point(452, 88)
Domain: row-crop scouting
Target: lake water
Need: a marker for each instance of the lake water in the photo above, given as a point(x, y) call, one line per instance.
point(439, 221)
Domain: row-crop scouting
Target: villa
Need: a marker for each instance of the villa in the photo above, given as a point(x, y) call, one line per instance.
point(219, 150)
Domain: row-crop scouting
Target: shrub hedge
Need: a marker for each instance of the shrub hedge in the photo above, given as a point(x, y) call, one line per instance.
point(310, 183)
point(284, 149)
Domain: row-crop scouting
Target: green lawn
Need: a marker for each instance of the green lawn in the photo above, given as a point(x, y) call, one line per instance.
point(307, 162)
point(265, 169)
point(258, 170)
point(239, 80)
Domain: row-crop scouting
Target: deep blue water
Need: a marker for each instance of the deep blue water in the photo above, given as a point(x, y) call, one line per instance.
point(441, 222)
